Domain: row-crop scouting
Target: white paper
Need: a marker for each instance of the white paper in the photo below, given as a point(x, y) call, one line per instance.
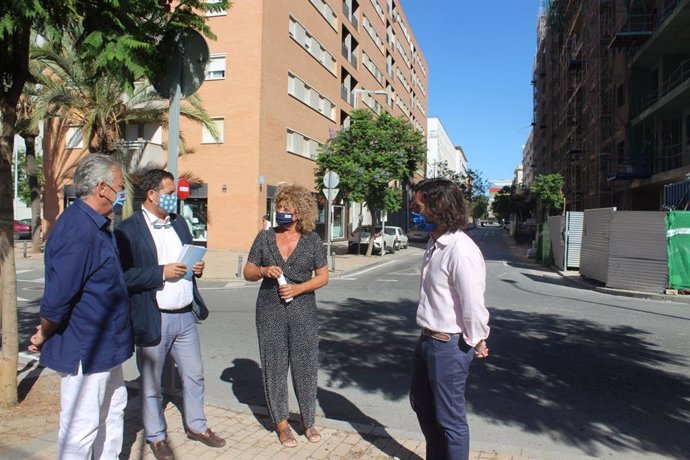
point(190, 255)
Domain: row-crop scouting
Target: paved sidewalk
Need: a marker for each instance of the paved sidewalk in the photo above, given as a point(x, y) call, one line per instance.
point(248, 432)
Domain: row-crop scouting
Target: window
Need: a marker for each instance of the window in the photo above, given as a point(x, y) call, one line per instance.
point(74, 138)
point(215, 13)
point(216, 67)
point(325, 10)
point(372, 33)
point(311, 45)
point(207, 138)
point(309, 96)
point(369, 64)
point(301, 145)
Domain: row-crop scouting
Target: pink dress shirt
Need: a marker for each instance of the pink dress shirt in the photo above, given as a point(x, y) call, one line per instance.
point(451, 297)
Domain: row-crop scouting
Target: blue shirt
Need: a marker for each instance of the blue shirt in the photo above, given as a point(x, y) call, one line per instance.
point(85, 292)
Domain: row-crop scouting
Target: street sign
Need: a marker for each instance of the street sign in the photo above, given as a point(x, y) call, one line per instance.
point(331, 179)
point(183, 188)
point(330, 193)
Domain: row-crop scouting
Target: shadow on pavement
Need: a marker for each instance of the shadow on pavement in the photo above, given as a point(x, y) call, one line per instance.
point(247, 386)
point(583, 384)
point(368, 345)
point(333, 404)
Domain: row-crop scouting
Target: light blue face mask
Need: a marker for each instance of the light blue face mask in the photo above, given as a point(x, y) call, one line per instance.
point(419, 221)
point(167, 203)
point(120, 197)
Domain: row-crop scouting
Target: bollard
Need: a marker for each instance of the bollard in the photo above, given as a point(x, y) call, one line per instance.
point(25, 245)
point(239, 266)
point(333, 260)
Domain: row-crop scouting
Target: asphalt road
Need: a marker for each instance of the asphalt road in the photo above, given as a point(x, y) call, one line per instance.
point(573, 373)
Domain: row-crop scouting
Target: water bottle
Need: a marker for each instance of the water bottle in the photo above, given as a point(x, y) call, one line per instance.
point(281, 282)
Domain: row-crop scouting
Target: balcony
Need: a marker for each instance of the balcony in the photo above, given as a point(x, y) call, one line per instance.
point(637, 29)
point(672, 157)
point(676, 87)
point(631, 168)
point(351, 16)
point(347, 96)
point(349, 55)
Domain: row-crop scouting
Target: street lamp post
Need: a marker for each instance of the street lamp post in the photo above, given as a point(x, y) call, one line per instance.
point(365, 91)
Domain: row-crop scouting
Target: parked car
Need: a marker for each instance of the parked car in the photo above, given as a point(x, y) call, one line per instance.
point(400, 240)
point(418, 235)
point(21, 230)
point(353, 241)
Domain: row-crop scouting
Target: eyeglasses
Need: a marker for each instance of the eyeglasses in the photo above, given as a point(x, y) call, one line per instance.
point(122, 187)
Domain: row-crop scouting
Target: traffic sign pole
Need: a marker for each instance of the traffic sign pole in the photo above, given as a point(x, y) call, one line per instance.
point(330, 180)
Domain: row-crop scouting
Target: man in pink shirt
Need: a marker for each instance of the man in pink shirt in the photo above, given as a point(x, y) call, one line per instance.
point(452, 316)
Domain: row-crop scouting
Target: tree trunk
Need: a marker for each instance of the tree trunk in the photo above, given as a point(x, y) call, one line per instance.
point(8, 274)
point(370, 246)
point(9, 97)
point(32, 176)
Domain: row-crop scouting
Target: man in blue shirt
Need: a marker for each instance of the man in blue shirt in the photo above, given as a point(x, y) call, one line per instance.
point(85, 330)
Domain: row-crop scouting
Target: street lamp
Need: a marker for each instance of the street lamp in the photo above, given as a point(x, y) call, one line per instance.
point(365, 91)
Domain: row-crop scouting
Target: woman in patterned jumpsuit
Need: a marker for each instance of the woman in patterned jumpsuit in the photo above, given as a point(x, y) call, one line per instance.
point(286, 319)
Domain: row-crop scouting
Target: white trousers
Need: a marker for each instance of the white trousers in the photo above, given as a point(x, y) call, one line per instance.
point(92, 415)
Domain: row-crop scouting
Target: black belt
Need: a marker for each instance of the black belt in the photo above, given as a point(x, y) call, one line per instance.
point(445, 337)
point(186, 309)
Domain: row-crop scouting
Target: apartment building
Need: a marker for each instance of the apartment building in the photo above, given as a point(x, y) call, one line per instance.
point(612, 100)
point(283, 78)
point(442, 155)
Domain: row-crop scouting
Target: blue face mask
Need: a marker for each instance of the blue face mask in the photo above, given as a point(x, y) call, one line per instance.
point(167, 203)
point(120, 197)
point(420, 222)
point(284, 218)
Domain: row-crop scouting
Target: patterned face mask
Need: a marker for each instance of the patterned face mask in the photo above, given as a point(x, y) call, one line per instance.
point(167, 203)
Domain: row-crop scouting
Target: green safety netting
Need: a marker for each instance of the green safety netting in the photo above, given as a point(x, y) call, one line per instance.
point(678, 247)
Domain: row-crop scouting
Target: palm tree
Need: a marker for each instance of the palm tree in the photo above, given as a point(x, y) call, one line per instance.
point(99, 102)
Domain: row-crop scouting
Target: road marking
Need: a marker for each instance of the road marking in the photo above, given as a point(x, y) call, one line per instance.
point(386, 280)
point(37, 280)
point(365, 270)
point(226, 287)
point(19, 272)
point(22, 299)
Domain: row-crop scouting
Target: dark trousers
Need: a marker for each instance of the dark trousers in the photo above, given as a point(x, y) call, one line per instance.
point(437, 395)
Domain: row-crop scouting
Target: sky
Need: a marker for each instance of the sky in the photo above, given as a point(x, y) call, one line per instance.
point(479, 57)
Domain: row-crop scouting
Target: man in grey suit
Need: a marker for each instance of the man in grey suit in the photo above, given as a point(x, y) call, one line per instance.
point(165, 308)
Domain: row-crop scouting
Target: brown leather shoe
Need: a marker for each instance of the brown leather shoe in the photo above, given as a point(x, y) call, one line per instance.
point(161, 450)
point(209, 438)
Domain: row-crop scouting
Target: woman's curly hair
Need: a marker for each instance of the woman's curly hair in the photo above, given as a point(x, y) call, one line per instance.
point(444, 202)
point(304, 203)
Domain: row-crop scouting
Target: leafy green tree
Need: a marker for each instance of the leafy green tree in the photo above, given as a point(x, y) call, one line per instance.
point(119, 37)
point(70, 89)
point(503, 206)
point(376, 156)
point(480, 207)
point(548, 189)
point(441, 169)
point(511, 201)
